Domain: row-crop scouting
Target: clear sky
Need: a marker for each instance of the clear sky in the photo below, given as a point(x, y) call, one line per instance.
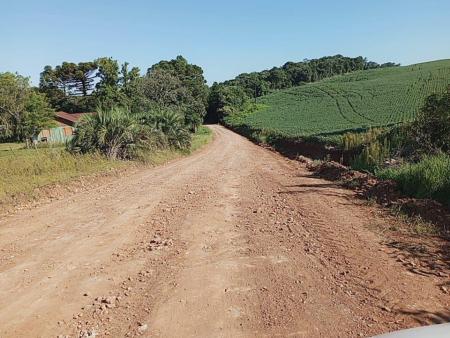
point(224, 37)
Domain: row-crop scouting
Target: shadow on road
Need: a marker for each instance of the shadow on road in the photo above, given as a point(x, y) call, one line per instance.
point(426, 317)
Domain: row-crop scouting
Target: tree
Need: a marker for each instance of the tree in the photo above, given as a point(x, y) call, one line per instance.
point(431, 129)
point(107, 72)
point(70, 78)
point(161, 88)
point(128, 76)
point(83, 80)
point(37, 117)
point(224, 100)
point(115, 88)
point(108, 94)
point(193, 101)
point(23, 111)
point(69, 86)
point(278, 78)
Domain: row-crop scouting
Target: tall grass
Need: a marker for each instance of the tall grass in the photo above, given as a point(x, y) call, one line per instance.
point(377, 145)
point(429, 178)
point(23, 170)
point(372, 155)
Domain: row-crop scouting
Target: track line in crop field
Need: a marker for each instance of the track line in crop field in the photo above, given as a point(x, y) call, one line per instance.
point(345, 117)
point(233, 241)
point(356, 112)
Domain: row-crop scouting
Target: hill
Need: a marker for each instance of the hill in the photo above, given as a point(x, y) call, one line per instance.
point(355, 101)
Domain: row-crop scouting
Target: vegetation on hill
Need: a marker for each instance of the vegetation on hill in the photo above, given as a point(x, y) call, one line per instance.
point(351, 102)
point(228, 97)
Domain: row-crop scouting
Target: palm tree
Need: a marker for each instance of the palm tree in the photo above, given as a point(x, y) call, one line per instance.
point(170, 124)
point(115, 133)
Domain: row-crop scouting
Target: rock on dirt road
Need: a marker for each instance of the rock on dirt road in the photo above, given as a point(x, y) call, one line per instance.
point(233, 241)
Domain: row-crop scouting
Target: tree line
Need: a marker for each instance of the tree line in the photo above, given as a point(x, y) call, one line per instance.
point(232, 95)
point(174, 86)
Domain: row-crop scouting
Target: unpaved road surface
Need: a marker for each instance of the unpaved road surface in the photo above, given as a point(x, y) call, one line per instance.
point(233, 241)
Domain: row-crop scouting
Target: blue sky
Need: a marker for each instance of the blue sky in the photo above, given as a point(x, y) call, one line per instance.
point(224, 37)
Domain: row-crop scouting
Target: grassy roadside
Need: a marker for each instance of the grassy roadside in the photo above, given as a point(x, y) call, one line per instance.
point(24, 170)
point(429, 178)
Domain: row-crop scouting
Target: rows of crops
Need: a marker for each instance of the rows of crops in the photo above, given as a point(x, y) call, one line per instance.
point(353, 101)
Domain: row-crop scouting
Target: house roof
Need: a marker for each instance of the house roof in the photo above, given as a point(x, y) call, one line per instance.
point(69, 118)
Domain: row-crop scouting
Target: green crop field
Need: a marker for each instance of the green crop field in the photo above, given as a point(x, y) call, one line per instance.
point(358, 100)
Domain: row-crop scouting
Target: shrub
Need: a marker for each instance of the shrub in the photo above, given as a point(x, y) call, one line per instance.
point(353, 140)
point(169, 125)
point(372, 155)
point(115, 133)
point(429, 178)
point(431, 128)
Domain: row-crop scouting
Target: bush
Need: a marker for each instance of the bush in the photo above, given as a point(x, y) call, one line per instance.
point(115, 133)
point(429, 178)
point(431, 128)
point(169, 125)
point(372, 155)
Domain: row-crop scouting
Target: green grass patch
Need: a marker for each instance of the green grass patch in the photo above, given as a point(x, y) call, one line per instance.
point(429, 178)
point(353, 102)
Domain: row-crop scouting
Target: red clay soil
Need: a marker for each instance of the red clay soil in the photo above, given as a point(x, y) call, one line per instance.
point(233, 241)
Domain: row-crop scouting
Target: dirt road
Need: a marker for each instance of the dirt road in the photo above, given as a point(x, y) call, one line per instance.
point(233, 241)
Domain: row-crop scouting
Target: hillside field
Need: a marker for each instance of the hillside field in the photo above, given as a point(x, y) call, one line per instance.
point(349, 102)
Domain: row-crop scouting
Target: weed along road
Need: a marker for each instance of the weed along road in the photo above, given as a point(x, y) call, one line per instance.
point(233, 241)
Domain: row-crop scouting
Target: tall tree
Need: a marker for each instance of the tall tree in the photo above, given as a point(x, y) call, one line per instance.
point(69, 86)
point(107, 92)
point(128, 76)
point(224, 100)
point(193, 100)
point(24, 112)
